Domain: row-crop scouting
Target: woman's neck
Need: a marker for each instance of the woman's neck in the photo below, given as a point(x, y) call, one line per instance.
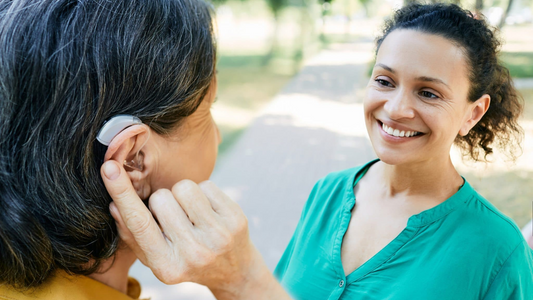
point(115, 271)
point(436, 178)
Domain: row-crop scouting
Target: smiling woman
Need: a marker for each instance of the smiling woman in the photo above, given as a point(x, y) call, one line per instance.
point(408, 226)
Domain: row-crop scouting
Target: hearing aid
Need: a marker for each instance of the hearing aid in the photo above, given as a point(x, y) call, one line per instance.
point(112, 128)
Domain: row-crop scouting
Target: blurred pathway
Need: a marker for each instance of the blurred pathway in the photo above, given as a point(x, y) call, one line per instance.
point(313, 127)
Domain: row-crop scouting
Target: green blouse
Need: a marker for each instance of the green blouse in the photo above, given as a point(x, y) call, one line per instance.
point(463, 248)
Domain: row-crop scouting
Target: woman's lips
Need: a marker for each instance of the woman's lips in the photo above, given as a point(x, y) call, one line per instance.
point(397, 133)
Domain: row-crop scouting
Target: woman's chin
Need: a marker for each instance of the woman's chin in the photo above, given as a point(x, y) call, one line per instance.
point(393, 158)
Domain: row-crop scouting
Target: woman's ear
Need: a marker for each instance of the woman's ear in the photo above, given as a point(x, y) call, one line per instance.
point(476, 111)
point(128, 148)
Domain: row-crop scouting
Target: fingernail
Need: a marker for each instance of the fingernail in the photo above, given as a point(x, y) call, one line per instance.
point(111, 171)
point(114, 210)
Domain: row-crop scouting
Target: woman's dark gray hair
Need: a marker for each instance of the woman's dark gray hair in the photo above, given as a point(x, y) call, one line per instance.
point(67, 66)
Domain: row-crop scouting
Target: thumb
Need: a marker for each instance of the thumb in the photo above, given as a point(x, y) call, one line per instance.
point(136, 216)
point(118, 184)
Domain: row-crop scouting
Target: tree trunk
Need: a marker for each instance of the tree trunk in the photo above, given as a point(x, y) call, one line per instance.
point(322, 35)
point(505, 13)
point(273, 41)
point(299, 54)
point(478, 7)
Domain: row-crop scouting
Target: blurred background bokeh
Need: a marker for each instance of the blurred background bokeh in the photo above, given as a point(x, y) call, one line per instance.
point(273, 53)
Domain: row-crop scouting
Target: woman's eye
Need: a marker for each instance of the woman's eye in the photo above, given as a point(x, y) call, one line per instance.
point(384, 82)
point(427, 94)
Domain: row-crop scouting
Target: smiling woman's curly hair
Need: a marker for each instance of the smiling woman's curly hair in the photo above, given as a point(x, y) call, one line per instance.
point(66, 66)
point(499, 126)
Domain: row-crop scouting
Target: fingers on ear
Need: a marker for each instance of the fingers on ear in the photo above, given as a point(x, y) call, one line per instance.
point(125, 148)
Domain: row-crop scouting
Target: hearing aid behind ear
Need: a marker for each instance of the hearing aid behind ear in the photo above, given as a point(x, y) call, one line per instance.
point(113, 127)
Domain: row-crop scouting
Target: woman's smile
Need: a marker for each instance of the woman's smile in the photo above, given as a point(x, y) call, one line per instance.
point(397, 133)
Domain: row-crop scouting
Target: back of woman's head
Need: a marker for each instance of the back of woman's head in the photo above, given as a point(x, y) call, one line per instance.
point(486, 74)
point(66, 67)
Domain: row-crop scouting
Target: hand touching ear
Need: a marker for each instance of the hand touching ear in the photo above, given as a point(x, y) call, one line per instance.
point(200, 235)
point(128, 147)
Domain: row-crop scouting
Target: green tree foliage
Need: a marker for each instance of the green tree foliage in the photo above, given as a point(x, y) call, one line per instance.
point(218, 2)
point(276, 6)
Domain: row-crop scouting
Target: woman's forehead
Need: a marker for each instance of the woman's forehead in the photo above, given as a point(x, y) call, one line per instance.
point(419, 54)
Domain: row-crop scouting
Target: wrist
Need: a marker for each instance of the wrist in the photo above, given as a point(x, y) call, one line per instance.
point(254, 281)
point(258, 280)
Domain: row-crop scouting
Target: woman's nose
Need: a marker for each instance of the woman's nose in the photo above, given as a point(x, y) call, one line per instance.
point(400, 106)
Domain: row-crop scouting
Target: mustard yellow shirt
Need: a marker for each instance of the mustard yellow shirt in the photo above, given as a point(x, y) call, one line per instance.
point(68, 287)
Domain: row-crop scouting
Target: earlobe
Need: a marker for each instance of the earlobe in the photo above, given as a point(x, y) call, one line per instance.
point(478, 110)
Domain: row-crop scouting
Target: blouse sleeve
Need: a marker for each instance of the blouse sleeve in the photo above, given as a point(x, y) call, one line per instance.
point(514, 281)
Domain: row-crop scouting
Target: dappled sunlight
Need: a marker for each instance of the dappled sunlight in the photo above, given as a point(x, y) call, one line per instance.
point(232, 116)
point(309, 111)
point(342, 54)
point(518, 38)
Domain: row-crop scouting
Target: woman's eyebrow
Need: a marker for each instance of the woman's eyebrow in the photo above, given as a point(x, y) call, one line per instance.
point(386, 68)
point(420, 78)
point(431, 79)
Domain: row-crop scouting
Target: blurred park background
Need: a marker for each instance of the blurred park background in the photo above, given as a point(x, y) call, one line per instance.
point(305, 64)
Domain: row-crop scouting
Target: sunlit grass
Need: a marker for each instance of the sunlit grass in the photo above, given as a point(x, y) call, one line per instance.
point(528, 100)
point(520, 64)
point(510, 192)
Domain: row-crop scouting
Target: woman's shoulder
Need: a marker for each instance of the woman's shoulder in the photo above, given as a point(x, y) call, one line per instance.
point(478, 217)
point(63, 286)
point(482, 210)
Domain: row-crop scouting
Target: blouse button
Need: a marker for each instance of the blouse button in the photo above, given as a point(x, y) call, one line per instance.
point(341, 283)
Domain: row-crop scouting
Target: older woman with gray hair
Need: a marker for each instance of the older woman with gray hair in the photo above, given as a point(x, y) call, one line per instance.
point(70, 73)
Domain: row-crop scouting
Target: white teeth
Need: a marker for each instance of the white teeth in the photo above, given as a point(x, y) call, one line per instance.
point(398, 133)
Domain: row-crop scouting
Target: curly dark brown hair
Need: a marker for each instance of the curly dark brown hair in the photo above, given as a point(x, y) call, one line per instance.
point(499, 126)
